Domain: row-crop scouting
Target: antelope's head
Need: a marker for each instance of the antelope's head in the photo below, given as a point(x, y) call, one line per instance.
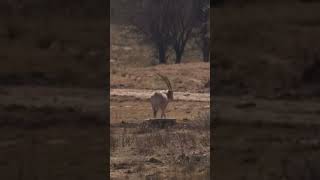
point(166, 80)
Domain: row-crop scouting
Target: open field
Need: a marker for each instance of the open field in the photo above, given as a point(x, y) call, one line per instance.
point(52, 153)
point(139, 151)
point(53, 51)
point(180, 151)
point(266, 67)
point(269, 139)
point(132, 65)
point(268, 37)
point(52, 133)
point(177, 152)
point(186, 77)
point(49, 131)
point(126, 109)
point(265, 138)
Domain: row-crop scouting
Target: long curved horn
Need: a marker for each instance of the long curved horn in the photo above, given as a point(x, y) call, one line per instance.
point(166, 80)
point(169, 84)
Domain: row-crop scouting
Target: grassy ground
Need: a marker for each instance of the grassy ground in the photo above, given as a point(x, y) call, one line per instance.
point(125, 109)
point(35, 51)
point(266, 55)
point(265, 153)
point(271, 140)
point(145, 77)
point(52, 153)
point(270, 38)
point(49, 131)
point(52, 133)
point(132, 65)
point(180, 151)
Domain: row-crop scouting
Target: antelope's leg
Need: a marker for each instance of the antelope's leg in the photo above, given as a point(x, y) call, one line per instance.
point(154, 113)
point(155, 110)
point(162, 113)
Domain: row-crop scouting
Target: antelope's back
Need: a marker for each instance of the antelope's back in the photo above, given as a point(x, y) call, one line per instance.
point(159, 97)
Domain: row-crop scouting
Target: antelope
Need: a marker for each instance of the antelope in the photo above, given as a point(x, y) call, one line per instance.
point(160, 100)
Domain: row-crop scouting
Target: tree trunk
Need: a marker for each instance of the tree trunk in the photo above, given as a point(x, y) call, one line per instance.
point(162, 55)
point(206, 55)
point(178, 57)
point(205, 51)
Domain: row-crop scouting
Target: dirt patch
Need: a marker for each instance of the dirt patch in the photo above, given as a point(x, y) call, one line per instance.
point(146, 94)
point(126, 109)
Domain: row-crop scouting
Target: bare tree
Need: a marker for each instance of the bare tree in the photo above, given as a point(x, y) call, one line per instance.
point(170, 23)
point(202, 34)
point(183, 22)
point(154, 21)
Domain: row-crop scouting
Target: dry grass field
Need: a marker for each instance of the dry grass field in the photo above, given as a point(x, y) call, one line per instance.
point(269, 139)
point(266, 91)
point(52, 97)
point(180, 151)
point(35, 52)
point(280, 39)
point(52, 133)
